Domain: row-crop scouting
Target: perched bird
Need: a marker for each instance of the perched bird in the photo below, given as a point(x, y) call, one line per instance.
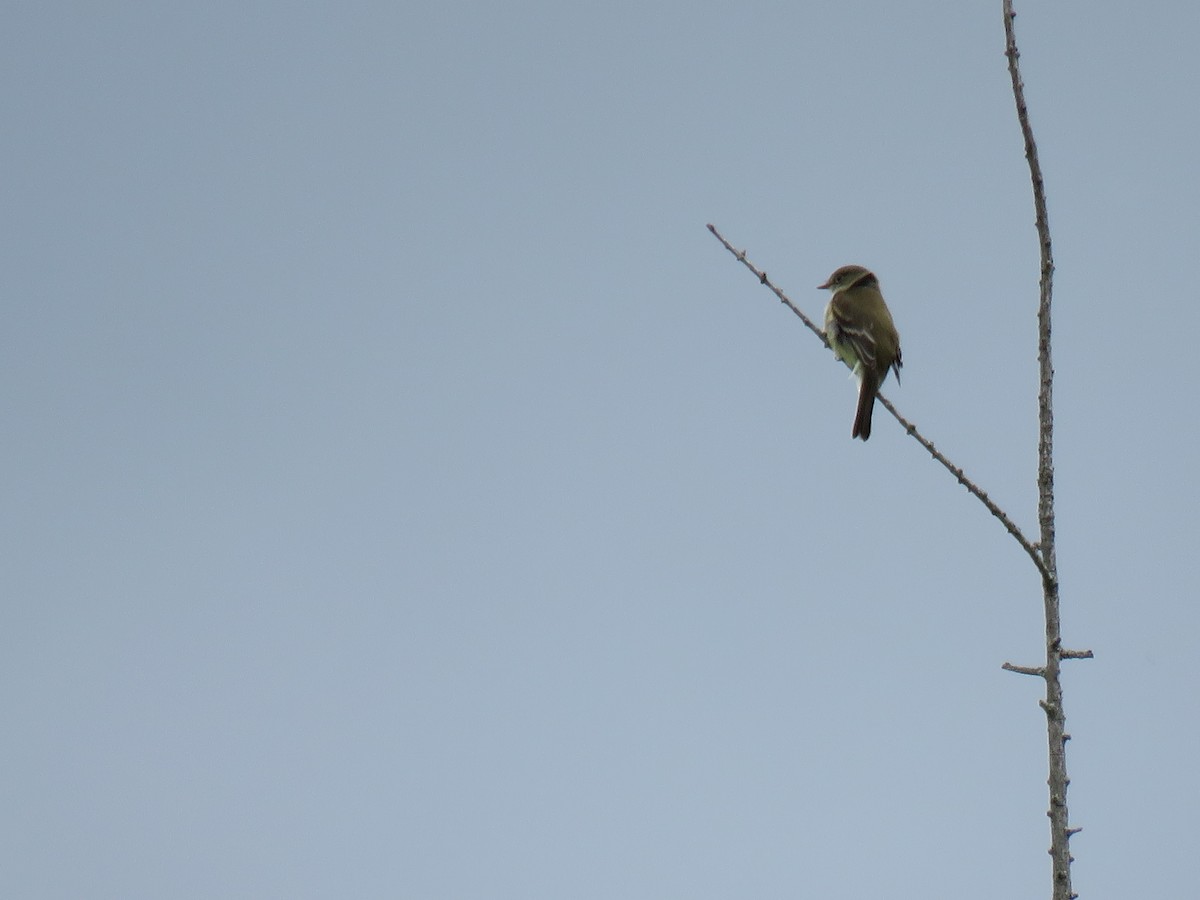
point(862, 334)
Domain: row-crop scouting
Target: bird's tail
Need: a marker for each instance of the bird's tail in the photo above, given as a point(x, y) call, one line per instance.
point(867, 390)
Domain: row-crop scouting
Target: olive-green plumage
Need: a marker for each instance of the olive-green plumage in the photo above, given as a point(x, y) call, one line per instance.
point(862, 334)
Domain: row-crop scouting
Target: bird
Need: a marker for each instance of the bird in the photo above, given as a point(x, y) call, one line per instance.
point(861, 334)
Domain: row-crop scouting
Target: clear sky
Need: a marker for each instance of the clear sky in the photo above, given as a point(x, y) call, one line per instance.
point(403, 495)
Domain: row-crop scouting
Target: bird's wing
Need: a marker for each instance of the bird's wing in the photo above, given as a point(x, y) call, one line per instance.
point(856, 334)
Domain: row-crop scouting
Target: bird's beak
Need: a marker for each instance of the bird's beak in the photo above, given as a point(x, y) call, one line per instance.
point(823, 287)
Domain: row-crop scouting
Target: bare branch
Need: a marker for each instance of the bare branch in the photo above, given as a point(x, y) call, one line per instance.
point(973, 488)
point(762, 277)
point(908, 426)
point(1056, 719)
point(1046, 290)
point(1039, 671)
point(1075, 654)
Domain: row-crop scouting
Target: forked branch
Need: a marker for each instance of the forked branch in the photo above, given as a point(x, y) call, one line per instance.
point(981, 495)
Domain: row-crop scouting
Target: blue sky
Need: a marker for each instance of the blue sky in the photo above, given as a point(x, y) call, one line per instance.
point(405, 495)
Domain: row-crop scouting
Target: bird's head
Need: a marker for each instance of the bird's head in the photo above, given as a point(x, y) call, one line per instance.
point(848, 277)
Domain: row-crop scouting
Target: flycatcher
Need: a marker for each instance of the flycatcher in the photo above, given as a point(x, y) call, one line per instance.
point(863, 336)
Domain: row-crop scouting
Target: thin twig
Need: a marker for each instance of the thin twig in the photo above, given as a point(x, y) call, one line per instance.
point(908, 426)
point(763, 279)
point(971, 486)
